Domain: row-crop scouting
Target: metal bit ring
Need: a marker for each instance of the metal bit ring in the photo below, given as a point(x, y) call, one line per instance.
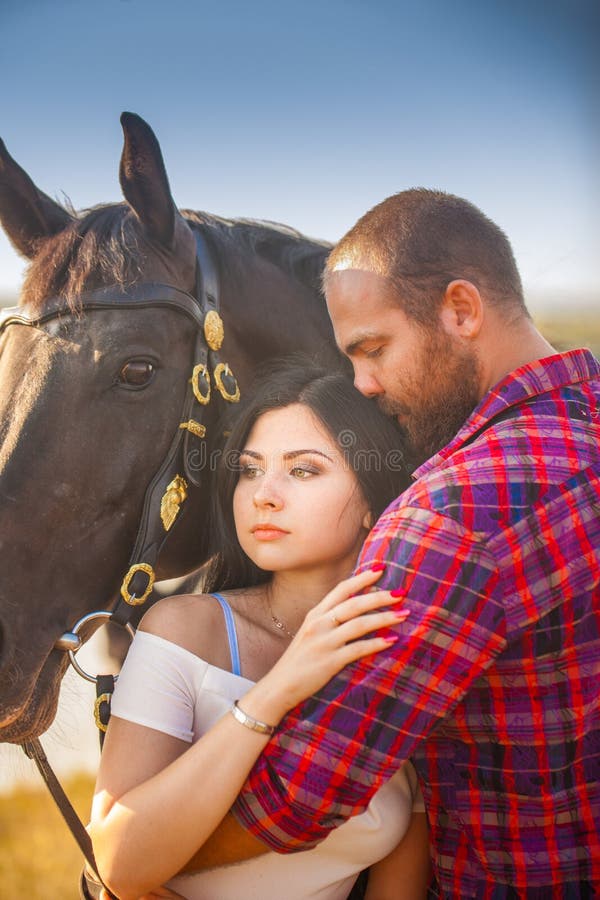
point(103, 614)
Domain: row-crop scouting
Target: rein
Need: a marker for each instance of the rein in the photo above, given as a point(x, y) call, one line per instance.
point(168, 489)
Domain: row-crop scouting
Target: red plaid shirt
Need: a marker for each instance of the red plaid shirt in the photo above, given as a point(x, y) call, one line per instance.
point(493, 689)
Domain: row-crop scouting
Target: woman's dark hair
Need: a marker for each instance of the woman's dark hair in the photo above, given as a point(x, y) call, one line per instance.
point(371, 444)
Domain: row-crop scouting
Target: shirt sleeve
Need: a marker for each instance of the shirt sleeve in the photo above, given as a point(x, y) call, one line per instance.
point(155, 687)
point(332, 752)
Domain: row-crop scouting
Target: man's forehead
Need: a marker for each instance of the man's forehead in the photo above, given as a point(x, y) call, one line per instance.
point(359, 261)
point(345, 287)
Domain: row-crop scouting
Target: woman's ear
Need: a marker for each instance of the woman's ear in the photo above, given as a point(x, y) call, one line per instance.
point(367, 520)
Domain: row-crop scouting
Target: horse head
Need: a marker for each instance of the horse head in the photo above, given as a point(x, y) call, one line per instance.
point(95, 375)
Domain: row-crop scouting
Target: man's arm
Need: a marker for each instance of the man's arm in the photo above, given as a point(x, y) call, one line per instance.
point(332, 752)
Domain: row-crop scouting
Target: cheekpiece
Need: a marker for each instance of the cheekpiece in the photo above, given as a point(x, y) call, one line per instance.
point(213, 329)
point(172, 499)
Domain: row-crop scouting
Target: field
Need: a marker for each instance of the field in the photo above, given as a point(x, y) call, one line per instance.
point(575, 328)
point(39, 859)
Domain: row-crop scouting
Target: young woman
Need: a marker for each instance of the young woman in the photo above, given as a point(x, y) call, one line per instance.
point(309, 466)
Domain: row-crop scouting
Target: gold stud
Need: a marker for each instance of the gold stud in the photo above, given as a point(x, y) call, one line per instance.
point(213, 329)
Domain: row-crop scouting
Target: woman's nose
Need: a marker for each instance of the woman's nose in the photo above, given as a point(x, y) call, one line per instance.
point(267, 493)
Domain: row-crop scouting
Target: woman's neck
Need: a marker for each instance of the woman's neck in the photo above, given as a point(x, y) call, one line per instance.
point(291, 595)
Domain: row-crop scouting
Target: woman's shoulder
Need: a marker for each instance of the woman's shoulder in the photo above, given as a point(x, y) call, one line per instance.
point(194, 622)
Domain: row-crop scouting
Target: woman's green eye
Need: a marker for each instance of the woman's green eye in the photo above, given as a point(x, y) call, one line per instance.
point(299, 472)
point(249, 471)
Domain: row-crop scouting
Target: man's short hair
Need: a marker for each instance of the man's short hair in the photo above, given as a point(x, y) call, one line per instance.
point(422, 240)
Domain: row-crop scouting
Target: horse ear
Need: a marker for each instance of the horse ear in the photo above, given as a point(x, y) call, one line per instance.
point(26, 213)
point(144, 180)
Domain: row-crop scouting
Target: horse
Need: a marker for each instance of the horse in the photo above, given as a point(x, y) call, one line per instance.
point(106, 368)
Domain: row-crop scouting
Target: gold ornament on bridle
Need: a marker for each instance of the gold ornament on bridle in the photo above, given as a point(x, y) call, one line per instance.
point(220, 370)
point(200, 372)
point(172, 499)
point(130, 598)
point(213, 329)
point(196, 428)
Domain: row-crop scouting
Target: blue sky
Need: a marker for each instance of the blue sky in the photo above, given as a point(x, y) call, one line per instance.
point(310, 113)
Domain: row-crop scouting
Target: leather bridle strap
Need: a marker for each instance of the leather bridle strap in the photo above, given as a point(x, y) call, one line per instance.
point(34, 751)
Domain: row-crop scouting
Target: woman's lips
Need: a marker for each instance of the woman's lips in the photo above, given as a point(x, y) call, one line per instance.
point(268, 532)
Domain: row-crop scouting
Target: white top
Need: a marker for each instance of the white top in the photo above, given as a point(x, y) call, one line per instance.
point(165, 687)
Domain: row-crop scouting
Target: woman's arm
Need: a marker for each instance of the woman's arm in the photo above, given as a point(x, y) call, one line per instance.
point(405, 872)
point(158, 799)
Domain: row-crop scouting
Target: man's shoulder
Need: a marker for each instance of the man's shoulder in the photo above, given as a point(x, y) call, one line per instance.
point(513, 464)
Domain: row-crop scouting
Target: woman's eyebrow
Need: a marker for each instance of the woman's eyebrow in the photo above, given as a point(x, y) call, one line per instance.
point(290, 454)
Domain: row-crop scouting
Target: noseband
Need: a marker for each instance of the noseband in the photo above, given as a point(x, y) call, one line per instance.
point(168, 489)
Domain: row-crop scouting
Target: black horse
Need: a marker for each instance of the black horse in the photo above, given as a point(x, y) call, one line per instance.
point(92, 396)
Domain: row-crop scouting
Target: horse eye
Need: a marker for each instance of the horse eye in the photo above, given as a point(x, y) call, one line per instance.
point(136, 373)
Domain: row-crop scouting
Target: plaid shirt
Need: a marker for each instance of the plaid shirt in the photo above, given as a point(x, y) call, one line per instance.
point(493, 689)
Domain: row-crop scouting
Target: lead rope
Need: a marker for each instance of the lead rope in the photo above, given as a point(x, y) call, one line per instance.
point(34, 750)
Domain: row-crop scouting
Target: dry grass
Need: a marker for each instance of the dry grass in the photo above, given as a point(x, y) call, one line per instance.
point(39, 859)
point(567, 330)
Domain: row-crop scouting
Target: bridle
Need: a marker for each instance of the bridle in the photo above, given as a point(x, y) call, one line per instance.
point(168, 489)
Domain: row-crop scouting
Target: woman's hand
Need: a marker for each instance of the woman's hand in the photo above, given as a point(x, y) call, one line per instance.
point(332, 635)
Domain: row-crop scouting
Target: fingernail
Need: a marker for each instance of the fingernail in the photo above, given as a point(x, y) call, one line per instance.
point(397, 592)
point(392, 639)
point(402, 614)
point(378, 567)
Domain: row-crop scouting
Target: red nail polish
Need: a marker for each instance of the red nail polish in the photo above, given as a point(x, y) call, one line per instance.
point(402, 614)
point(397, 592)
point(392, 639)
point(378, 567)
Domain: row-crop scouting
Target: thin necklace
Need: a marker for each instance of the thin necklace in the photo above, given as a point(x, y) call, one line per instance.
point(277, 622)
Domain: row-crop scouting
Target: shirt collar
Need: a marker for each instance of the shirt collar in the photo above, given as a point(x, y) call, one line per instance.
point(537, 377)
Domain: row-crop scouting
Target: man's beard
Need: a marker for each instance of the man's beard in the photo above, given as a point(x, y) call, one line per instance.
point(444, 395)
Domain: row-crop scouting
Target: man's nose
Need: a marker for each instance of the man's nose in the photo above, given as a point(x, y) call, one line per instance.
point(366, 383)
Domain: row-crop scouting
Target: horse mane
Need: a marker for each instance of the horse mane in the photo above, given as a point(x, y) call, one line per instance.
point(100, 246)
point(292, 252)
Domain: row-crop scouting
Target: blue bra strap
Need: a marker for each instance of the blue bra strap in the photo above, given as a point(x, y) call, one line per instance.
point(231, 634)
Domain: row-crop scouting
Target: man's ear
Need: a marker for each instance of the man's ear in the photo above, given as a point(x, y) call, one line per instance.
point(462, 309)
